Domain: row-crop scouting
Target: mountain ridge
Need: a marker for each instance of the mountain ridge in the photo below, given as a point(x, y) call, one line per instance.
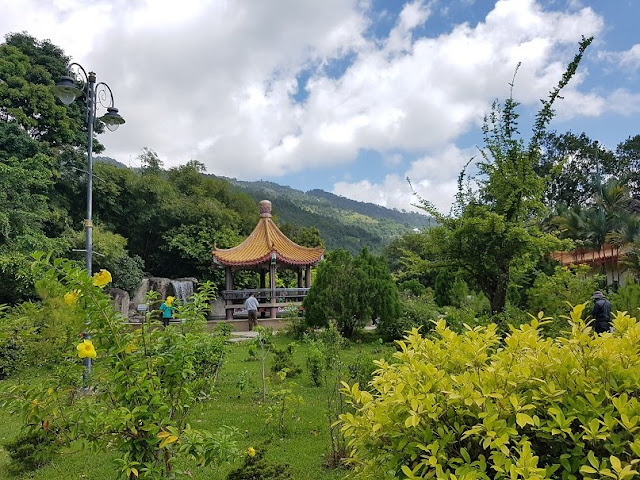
point(343, 222)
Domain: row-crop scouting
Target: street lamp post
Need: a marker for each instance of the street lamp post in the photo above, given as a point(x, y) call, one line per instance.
point(71, 86)
point(75, 84)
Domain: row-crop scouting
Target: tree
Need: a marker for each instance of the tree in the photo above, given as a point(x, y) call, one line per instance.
point(496, 227)
point(26, 180)
point(628, 156)
point(574, 166)
point(351, 291)
point(150, 163)
point(29, 68)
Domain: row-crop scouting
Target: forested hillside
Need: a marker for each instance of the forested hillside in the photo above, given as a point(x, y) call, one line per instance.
point(343, 223)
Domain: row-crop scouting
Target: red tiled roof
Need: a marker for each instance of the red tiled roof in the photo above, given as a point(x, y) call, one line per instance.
point(265, 241)
point(608, 254)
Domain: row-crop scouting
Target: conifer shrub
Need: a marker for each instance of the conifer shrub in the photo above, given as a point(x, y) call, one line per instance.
point(479, 406)
point(30, 451)
point(256, 467)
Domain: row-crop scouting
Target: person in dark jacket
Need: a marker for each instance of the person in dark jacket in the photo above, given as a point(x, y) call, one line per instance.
point(601, 313)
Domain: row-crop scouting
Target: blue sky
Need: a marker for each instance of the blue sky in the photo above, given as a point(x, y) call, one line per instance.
point(350, 96)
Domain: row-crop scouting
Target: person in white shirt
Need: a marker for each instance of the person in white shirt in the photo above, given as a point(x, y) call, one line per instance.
point(251, 306)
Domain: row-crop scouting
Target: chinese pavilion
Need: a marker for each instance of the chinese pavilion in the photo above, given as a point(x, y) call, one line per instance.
point(266, 249)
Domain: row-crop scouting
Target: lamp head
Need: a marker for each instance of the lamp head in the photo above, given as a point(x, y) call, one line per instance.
point(67, 90)
point(112, 119)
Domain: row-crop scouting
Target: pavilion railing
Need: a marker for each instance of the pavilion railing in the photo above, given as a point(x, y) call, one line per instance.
point(267, 295)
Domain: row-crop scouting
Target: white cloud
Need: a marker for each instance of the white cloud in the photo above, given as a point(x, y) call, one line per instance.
point(214, 80)
point(433, 177)
point(627, 59)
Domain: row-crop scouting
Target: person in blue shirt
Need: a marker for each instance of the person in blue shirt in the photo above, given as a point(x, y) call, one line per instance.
point(167, 310)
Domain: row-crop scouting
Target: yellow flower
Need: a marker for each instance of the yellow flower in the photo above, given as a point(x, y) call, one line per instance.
point(130, 347)
point(169, 301)
point(101, 278)
point(71, 298)
point(251, 452)
point(86, 349)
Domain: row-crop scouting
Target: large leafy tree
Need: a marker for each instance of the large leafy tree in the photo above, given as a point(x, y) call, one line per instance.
point(26, 180)
point(496, 227)
point(574, 166)
point(28, 68)
point(628, 156)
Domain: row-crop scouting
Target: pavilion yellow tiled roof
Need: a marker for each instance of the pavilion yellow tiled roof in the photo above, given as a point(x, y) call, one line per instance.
point(266, 240)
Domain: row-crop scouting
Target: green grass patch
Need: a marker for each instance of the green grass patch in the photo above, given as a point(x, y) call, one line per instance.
point(236, 402)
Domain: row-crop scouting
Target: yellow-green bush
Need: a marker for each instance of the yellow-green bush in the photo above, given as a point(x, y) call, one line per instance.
point(475, 406)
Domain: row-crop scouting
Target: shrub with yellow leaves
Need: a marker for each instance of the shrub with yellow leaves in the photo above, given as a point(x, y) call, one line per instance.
point(476, 406)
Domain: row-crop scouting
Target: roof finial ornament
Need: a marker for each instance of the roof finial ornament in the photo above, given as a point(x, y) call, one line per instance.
point(265, 208)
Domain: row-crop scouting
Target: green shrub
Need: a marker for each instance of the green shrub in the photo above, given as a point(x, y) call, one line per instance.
point(11, 356)
point(475, 406)
point(256, 467)
point(223, 329)
point(361, 369)
point(627, 298)
point(297, 328)
point(414, 312)
point(351, 291)
point(550, 293)
point(316, 364)
point(38, 333)
point(283, 360)
point(30, 451)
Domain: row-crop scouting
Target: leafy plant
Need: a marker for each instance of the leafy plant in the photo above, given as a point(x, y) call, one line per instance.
point(283, 360)
point(332, 344)
point(31, 450)
point(146, 381)
point(256, 467)
point(262, 345)
point(283, 399)
point(552, 293)
point(351, 291)
point(476, 406)
point(316, 364)
point(414, 312)
point(627, 298)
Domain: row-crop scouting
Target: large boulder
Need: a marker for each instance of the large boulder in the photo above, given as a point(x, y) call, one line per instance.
point(120, 300)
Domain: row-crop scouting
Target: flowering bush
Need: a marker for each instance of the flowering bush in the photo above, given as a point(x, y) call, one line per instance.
point(145, 382)
point(474, 406)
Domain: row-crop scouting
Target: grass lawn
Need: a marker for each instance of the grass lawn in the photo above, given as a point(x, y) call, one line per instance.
point(236, 402)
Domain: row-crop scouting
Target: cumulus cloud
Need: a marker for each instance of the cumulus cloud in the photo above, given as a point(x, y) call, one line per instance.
point(627, 59)
point(218, 81)
point(433, 177)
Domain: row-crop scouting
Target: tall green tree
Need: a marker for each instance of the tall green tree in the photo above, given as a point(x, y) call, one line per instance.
point(574, 167)
point(628, 156)
point(497, 225)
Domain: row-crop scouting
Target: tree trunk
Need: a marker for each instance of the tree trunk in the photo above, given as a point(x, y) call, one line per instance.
point(498, 297)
